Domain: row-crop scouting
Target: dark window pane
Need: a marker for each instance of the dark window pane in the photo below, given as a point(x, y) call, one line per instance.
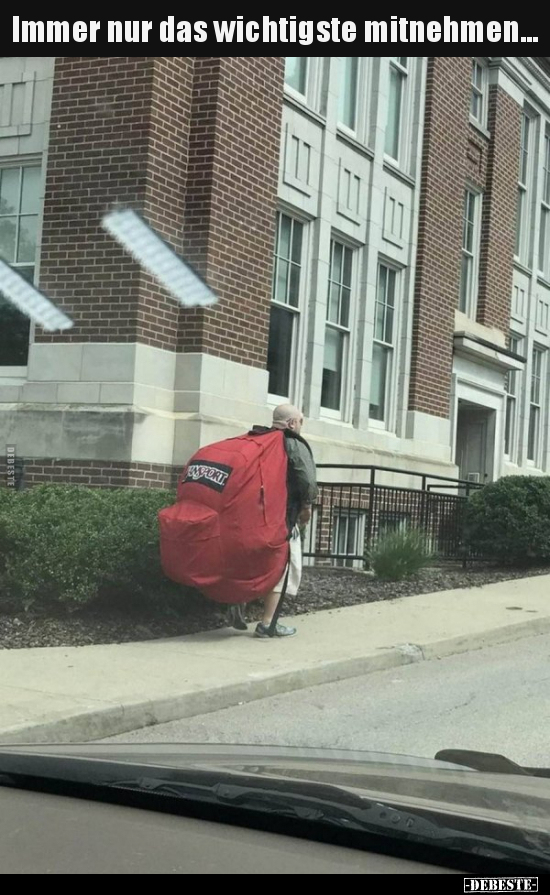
point(389, 325)
point(382, 282)
point(294, 286)
point(10, 185)
point(348, 266)
point(348, 92)
point(336, 275)
point(334, 300)
point(285, 234)
point(509, 431)
point(282, 281)
point(332, 370)
point(296, 73)
point(380, 358)
point(379, 329)
point(8, 233)
point(532, 441)
point(30, 192)
point(26, 249)
point(394, 114)
point(297, 234)
point(344, 309)
point(392, 277)
point(279, 355)
point(14, 335)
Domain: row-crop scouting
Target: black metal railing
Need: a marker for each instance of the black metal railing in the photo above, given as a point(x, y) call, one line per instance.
point(349, 517)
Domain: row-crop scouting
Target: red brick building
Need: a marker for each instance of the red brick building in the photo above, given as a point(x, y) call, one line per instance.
point(377, 228)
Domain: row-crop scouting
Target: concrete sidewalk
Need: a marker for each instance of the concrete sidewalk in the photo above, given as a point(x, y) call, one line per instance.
point(80, 694)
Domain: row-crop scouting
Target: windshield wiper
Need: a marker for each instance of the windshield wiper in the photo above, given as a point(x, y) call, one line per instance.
point(303, 808)
point(337, 808)
point(489, 763)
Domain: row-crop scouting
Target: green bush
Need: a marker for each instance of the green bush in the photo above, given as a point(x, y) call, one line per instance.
point(509, 521)
point(399, 554)
point(73, 545)
point(6, 495)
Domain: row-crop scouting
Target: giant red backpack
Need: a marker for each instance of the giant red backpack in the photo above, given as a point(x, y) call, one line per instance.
point(227, 534)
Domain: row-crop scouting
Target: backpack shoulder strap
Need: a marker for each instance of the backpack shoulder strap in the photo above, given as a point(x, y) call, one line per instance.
point(290, 434)
point(258, 431)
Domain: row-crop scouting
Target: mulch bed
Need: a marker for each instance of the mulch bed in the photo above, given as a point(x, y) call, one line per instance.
point(321, 589)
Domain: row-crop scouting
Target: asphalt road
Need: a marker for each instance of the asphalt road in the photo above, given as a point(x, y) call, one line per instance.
point(495, 700)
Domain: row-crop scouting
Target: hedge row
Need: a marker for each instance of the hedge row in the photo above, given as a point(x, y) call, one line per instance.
point(74, 545)
point(509, 521)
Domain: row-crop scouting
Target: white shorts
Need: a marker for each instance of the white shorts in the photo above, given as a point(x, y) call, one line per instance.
point(295, 573)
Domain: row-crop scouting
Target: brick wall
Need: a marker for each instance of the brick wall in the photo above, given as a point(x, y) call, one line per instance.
point(231, 202)
point(456, 154)
point(165, 187)
point(95, 474)
point(193, 142)
point(119, 134)
point(444, 172)
point(499, 219)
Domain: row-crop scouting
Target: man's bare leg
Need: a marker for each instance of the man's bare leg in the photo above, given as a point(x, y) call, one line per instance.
point(270, 605)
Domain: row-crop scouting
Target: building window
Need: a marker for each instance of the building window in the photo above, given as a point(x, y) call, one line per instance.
point(348, 538)
point(522, 218)
point(384, 344)
point(391, 521)
point(296, 73)
point(544, 242)
point(337, 332)
point(479, 104)
point(347, 100)
point(470, 254)
point(535, 409)
point(396, 106)
point(285, 308)
point(512, 387)
point(19, 210)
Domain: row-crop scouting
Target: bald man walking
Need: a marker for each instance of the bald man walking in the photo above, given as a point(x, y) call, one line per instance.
point(302, 493)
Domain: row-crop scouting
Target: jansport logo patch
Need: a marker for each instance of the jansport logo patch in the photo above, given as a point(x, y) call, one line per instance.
point(213, 475)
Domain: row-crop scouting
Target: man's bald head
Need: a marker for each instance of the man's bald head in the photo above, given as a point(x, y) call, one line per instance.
point(287, 416)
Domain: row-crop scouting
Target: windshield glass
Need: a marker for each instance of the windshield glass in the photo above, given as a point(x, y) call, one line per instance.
point(274, 416)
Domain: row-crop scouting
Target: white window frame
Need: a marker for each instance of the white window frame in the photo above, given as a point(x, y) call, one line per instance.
point(537, 403)
point(349, 343)
point(311, 98)
point(20, 163)
point(393, 348)
point(525, 181)
point(544, 236)
point(362, 101)
point(471, 255)
point(405, 71)
point(343, 516)
point(293, 90)
point(401, 525)
point(298, 311)
point(513, 389)
point(480, 64)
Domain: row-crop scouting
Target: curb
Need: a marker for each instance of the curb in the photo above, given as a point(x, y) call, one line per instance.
point(112, 721)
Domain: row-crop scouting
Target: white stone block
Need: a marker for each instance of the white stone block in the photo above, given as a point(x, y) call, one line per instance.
point(108, 362)
point(78, 393)
point(117, 393)
point(55, 363)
